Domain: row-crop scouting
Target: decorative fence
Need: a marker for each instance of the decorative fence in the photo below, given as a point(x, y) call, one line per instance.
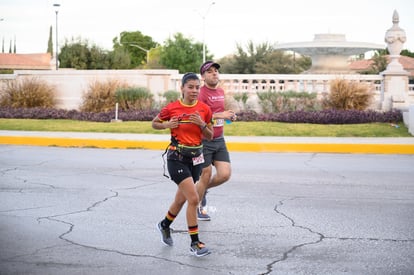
point(71, 84)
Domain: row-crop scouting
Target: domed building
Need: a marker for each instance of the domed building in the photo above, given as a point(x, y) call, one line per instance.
point(330, 53)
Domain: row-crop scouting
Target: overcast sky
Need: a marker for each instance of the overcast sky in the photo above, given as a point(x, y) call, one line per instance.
point(227, 22)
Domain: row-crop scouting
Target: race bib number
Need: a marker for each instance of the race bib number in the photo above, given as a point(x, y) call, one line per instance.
point(219, 122)
point(198, 160)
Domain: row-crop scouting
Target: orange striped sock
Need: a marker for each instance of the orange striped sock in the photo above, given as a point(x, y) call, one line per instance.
point(193, 231)
point(169, 218)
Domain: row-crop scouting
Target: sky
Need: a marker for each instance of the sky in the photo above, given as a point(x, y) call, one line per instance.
point(222, 24)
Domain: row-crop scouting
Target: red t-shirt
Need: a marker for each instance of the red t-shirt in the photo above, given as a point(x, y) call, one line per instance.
point(186, 133)
point(215, 99)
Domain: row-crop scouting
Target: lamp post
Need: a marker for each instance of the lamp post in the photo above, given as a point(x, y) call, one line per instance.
point(204, 29)
point(2, 41)
point(57, 39)
point(2, 45)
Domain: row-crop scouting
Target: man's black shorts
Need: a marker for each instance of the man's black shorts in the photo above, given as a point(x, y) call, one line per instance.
point(215, 150)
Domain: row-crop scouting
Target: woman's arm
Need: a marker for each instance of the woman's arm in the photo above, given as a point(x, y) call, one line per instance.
point(158, 124)
point(207, 131)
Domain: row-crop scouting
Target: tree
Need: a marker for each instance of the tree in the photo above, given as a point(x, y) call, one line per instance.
point(98, 59)
point(74, 54)
point(241, 62)
point(379, 63)
point(301, 64)
point(407, 53)
point(78, 54)
point(246, 61)
point(137, 45)
point(50, 42)
point(280, 62)
point(119, 59)
point(263, 59)
point(182, 53)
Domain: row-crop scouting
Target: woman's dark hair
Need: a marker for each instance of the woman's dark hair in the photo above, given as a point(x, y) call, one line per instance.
point(188, 76)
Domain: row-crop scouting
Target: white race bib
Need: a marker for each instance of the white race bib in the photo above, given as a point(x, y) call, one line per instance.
point(198, 160)
point(219, 122)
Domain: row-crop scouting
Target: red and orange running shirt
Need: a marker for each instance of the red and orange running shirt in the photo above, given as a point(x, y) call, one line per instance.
point(186, 133)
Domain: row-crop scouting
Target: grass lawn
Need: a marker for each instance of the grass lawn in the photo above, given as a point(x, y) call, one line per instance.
point(234, 129)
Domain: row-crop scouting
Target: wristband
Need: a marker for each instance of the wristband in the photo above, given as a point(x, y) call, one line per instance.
point(204, 127)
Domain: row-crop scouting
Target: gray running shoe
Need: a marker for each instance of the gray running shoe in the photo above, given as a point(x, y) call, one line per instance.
point(199, 249)
point(165, 235)
point(202, 214)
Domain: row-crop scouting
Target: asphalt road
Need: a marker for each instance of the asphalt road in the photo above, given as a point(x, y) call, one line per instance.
point(93, 211)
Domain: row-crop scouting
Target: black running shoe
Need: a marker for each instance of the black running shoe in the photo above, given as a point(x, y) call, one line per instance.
point(165, 235)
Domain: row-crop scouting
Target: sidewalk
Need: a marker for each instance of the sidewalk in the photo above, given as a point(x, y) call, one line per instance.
point(234, 143)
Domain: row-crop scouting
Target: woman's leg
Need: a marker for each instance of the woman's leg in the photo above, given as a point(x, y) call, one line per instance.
point(187, 192)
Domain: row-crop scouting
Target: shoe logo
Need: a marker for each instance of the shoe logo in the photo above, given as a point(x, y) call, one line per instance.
point(180, 171)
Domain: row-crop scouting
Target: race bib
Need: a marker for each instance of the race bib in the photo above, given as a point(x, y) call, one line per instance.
point(219, 122)
point(198, 160)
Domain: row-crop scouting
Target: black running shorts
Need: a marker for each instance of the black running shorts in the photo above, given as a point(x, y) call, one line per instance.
point(215, 150)
point(181, 168)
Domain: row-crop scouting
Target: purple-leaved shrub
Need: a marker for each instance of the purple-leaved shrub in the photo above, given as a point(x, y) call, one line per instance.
point(316, 117)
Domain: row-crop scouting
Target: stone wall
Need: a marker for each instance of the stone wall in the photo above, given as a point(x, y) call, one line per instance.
point(72, 84)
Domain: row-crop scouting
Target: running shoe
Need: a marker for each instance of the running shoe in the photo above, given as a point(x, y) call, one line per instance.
point(165, 235)
point(199, 249)
point(202, 214)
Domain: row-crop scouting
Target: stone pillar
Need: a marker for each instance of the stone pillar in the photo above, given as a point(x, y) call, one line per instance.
point(395, 86)
point(395, 91)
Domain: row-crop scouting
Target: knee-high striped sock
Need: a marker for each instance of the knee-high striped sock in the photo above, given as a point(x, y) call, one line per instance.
point(193, 231)
point(169, 218)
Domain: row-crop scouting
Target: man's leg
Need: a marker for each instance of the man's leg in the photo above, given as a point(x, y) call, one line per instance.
point(203, 182)
point(223, 174)
point(201, 190)
point(216, 153)
point(221, 162)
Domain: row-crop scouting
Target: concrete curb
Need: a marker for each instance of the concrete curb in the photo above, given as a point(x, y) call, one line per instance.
point(235, 144)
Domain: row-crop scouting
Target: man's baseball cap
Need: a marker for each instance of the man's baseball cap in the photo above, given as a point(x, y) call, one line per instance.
point(207, 65)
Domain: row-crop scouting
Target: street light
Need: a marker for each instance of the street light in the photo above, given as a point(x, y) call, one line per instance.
point(139, 47)
point(204, 29)
point(57, 39)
